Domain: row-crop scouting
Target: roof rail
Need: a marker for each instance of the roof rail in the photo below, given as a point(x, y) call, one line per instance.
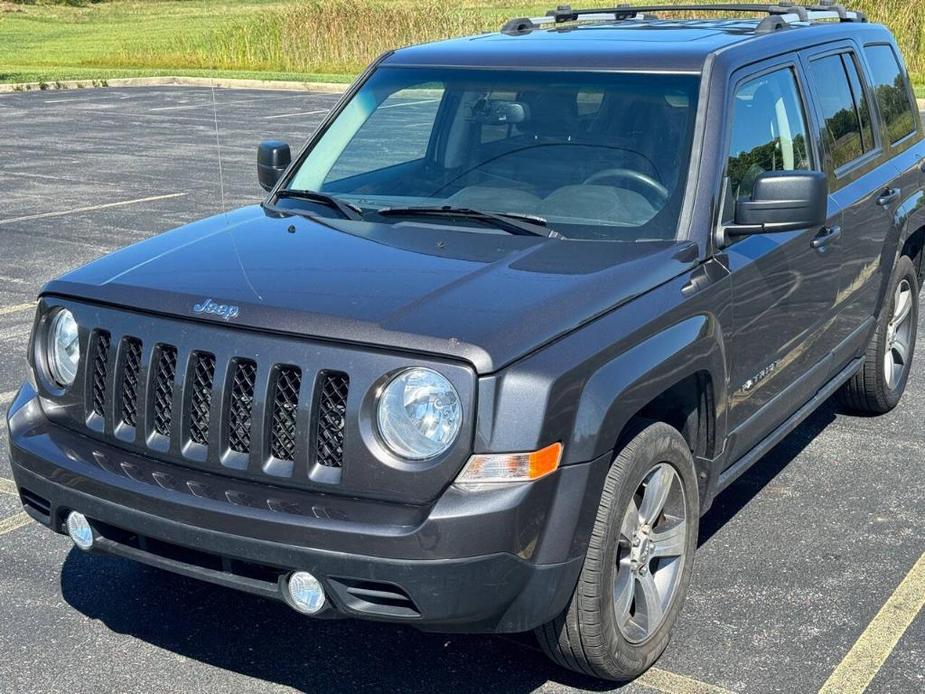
point(780, 15)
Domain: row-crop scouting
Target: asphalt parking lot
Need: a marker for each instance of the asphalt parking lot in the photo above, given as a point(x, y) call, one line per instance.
point(796, 559)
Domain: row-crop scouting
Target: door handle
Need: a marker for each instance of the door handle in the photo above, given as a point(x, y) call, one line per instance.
point(888, 196)
point(826, 236)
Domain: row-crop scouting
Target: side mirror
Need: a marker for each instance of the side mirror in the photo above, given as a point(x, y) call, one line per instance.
point(783, 201)
point(273, 158)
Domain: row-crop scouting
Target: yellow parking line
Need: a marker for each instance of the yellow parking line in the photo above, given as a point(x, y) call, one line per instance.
point(8, 487)
point(874, 646)
point(91, 208)
point(673, 683)
point(8, 525)
point(16, 308)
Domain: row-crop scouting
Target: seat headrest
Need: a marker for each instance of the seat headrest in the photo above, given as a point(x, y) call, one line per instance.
point(553, 114)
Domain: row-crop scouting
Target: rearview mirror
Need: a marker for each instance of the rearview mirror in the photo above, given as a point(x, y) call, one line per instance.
point(783, 201)
point(498, 112)
point(273, 158)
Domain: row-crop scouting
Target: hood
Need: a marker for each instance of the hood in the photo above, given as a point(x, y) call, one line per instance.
point(486, 298)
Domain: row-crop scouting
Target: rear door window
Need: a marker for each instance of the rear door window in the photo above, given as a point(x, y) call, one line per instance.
point(844, 108)
point(768, 131)
point(891, 92)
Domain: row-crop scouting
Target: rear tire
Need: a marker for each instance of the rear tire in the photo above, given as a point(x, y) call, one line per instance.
point(881, 381)
point(638, 565)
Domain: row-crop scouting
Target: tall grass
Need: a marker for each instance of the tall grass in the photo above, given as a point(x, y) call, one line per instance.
point(342, 36)
point(316, 36)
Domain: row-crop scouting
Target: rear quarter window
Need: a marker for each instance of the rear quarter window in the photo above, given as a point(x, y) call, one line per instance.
point(891, 91)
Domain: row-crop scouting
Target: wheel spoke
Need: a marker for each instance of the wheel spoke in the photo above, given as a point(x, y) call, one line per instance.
point(671, 542)
point(650, 604)
point(623, 591)
point(656, 493)
point(630, 522)
point(901, 351)
point(889, 366)
point(903, 305)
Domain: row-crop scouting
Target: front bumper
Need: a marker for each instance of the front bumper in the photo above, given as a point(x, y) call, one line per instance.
point(498, 560)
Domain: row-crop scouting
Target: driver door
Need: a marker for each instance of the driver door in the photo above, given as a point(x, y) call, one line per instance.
point(783, 284)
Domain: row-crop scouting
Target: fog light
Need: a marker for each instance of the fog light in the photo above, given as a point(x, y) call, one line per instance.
point(305, 592)
point(78, 527)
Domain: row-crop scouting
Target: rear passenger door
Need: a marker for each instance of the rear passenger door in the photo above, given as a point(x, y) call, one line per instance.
point(863, 187)
point(900, 122)
point(783, 283)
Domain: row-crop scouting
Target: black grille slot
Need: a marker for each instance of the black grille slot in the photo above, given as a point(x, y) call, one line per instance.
point(375, 597)
point(203, 376)
point(100, 371)
point(164, 377)
point(39, 504)
point(240, 405)
point(332, 410)
point(285, 406)
point(131, 367)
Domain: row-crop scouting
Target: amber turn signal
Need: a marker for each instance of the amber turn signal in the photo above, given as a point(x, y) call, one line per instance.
point(511, 467)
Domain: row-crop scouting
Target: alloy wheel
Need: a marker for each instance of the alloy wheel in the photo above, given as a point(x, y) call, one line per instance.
point(899, 335)
point(650, 553)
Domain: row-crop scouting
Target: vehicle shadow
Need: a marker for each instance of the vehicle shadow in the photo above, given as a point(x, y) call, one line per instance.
point(268, 641)
point(749, 485)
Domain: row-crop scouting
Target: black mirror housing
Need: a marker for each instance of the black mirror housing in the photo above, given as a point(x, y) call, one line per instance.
point(273, 158)
point(783, 201)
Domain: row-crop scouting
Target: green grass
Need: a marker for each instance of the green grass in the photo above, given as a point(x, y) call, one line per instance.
point(302, 40)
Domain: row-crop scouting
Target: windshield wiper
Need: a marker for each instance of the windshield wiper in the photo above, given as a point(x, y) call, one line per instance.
point(521, 225)
point(347, 210)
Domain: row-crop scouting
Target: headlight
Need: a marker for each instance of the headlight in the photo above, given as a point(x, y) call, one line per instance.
point(62, 348)
point(419, 414)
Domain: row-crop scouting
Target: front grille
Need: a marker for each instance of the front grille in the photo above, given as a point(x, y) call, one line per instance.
point(203, 377)
point(257, 416)
point(241, 405)
point(100, 371)
point(285, 402)
point(131, 368)
point(332, 410)
point(164, 377)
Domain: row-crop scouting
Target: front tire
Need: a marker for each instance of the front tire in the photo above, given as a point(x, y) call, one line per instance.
point(639, 561)
point(881, 381)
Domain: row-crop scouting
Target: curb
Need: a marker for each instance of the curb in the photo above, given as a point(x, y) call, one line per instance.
point(169, 81)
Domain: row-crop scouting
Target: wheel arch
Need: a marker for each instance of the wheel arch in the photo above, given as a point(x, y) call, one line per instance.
point(913, 247)
point(676, 376)
point(910, 219)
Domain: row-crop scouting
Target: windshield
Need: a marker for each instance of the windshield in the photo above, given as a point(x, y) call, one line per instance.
point(595, 155)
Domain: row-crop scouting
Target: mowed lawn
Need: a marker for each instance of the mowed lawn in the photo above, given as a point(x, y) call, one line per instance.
point(303, 40)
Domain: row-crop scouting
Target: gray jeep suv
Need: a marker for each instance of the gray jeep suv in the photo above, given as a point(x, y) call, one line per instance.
point(499, 334)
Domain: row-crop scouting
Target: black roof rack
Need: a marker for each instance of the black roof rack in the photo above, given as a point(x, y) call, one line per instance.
point(780, 15)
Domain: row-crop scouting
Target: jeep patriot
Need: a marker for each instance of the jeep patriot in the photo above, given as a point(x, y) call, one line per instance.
point(501, 332)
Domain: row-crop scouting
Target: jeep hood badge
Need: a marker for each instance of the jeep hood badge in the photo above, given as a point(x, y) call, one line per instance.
point(224, 311)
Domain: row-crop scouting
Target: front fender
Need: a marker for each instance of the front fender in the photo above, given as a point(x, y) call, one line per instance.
point(584, 388)
point(625, 385)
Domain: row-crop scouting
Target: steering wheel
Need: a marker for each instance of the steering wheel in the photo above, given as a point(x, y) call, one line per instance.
point(660, 192)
